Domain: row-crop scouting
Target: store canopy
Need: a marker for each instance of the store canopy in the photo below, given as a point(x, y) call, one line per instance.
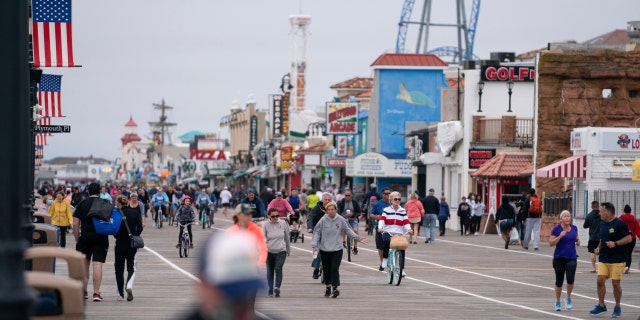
point(213, 173)
point(506, 165)
point(571, 167)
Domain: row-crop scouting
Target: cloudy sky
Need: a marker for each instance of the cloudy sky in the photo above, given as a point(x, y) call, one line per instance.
point(200, 55)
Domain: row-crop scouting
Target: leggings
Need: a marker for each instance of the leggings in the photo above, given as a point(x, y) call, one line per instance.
point(630, 247)
point(562, 266)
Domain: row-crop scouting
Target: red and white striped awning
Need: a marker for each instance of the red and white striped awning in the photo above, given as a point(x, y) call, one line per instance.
point(571, 167)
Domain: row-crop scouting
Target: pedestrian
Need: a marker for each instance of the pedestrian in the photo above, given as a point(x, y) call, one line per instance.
point(533, 210)
point(464, 211)
point(632, 223)
point(614, 235)
point(259, 211)
point(327, 242)
point(242, 224)
point(376, 214)
point(225, 199)
point(477, 210)
point(94, 246)
point(276, 232)
point(564, 237)
point(229, 279)
point(443, 215)
point(393, 222)
point(315, 215)
point(592, 222)
point(350, 209)
point(431, 209)
point(61, 216)
point(415, 213)
point(123, 251)
point(505, 216)
point(135, 203)
point(282, 205)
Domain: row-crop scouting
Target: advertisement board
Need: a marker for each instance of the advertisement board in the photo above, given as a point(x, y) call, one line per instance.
point(376, 165)
point(342, 117)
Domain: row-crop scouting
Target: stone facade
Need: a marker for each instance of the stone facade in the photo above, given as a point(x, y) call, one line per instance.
point(570, 95)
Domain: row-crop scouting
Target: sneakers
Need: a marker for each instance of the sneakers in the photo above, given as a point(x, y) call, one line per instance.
point(557, 307)
point(598, 310)
point(120, 298)
point(97, 297)
point(567, 304)
point(327, 292)
point(355, 251)
point(616, 312)
point(86, 296)
point(129, 294)
point(384, 263)
point(276, 291)
point(335, 293)
point(190, 245)
point(475, 234)
point(535, 249)
point(316, 273)
point(177, 246)
point(381, 268)
point(404, 274)
point(506, 244)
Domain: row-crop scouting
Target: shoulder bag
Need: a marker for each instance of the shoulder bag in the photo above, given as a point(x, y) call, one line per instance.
point(136, 241)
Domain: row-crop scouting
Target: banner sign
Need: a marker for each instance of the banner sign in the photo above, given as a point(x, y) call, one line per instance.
point(286, 153)
point(477, 157)
point(516, 74)
point(253, 132)
point(277, 115)
point(342, 118)
point(376, 165)
point(210, 144)
point(341, 146)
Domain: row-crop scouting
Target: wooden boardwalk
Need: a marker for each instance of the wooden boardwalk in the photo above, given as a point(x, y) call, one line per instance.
point(455, 278)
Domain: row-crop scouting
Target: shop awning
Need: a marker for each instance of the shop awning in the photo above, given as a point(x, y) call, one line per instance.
point(213, 173)
point(571, 167)
point(506, 165)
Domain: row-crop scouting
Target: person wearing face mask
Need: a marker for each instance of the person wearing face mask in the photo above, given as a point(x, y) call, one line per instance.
point(61, 216)
point(46, 203)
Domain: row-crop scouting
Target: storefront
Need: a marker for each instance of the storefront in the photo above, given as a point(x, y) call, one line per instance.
point(392, 173)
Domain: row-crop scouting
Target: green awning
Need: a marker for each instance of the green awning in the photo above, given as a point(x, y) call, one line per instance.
point(216, 173)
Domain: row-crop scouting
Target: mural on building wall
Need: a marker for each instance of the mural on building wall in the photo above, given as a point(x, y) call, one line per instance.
point(406, 95)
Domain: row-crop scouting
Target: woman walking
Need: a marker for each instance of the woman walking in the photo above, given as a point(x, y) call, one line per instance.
point(505, 215)
point(634, 230)
point(415, 212)
point(123, 251)
point(565, 238)
point(327, 239)
point(276, 232)
point(443, 215)
point(61, 216)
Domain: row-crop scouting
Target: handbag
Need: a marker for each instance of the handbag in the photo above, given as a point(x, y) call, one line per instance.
point(399, 243)
point(111, 225)
point(136, 241)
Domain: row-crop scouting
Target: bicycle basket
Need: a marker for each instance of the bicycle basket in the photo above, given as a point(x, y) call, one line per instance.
point(399, 243)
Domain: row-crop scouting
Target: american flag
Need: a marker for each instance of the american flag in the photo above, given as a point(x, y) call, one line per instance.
point(41, 139)
point(52, 45)
point(49, 95)
point(39, 151)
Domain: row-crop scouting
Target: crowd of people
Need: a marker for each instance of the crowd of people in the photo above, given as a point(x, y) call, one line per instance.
point(330, 217)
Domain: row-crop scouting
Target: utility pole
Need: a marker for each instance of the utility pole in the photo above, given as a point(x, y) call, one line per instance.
point(162, 125)
point(15, 298)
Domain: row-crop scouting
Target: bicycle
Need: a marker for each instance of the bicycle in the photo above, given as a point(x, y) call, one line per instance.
point(159, 218)
point(170, 217)
point(205, 218)
point(395, 264)
point(183, 247)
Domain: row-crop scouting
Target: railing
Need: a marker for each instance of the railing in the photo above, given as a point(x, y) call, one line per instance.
point(554, 203)
point(491, 131)
point(524, 131)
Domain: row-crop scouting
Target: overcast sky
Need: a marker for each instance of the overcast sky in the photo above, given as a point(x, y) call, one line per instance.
point(200, 55)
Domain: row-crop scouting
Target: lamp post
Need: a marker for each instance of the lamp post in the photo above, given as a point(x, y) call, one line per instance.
point(509, 86)
point(480, 88)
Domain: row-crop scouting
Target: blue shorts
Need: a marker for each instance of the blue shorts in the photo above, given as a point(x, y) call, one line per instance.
point(506, 225)
point(353, 223)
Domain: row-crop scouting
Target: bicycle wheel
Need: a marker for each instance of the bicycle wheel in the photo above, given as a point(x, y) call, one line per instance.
point(390, 266)
point(159, 219)
point(397, 270)
point(180, 249)
point(348, 249)
point(185, 244)
point(203, 219)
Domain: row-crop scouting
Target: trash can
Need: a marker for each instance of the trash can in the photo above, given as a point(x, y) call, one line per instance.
point(44, 235)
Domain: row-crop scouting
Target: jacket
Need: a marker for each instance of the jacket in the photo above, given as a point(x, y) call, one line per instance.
point(256, 231)
point(431, 204)
point(356, 209)
point(444, 213)
point(414, 209)
point(61, 213)
point(327, 234)
point(592, 221)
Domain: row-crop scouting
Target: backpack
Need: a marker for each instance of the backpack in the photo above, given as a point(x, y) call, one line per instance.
point(535, 205)
point(110, 226)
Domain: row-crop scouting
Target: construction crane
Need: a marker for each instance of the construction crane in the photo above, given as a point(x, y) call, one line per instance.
point(466, 33)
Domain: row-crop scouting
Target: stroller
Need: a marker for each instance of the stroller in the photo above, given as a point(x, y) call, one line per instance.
point(294, 228)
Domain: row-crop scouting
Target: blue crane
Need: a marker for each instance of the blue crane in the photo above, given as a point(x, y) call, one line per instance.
point(460, 52)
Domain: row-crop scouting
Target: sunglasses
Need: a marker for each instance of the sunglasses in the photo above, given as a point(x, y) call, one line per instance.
point(273, 216)
point(397, 199)
point(347, 195)
point(387, 193)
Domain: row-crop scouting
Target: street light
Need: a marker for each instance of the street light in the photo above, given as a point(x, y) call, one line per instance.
point(509, 86)
point(480, 88)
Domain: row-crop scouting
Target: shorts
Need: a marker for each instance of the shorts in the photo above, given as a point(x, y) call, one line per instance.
point(354, 223)
point(611, 270)
point(506, 225)
point(226, 205)
point(379, 241)
point(94, 247)
point(592, 245)
point(415, 220)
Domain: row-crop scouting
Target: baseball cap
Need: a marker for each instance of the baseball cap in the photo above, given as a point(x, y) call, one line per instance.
point(278, 194)
point(250, 191)
point(229, 261)
point(431, 190)
point(244, 208)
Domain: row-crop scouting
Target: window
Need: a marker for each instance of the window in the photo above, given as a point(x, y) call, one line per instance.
point(607, 93)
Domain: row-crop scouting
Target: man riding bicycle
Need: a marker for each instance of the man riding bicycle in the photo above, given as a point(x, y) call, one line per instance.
point(203, 202)
point(160, 201)
point(185, 215)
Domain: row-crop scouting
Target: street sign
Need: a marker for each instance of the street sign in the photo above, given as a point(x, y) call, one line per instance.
point(52, 129)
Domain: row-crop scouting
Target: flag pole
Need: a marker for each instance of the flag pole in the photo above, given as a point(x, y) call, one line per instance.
point(15, 297)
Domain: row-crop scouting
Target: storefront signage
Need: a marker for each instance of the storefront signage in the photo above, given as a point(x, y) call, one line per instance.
point(620, 141)
point(341, 146)
point(286, 153)
point(277, 115)
point(342, 118)
point(376, 165)
point(210, 144)
point(336, 162)
point(492, 73)
point(253, 132)
point(477, 157)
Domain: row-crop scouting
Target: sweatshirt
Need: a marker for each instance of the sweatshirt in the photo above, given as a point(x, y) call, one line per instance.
point(327, 234)
point(277, 236)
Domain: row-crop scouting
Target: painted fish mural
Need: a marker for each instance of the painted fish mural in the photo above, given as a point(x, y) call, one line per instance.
point(415, 97)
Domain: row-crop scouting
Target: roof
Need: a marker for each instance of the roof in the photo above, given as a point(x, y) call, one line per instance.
point(190, 136)
point(506, 165)
point(614, 37)
point(409, 60)
point(354, 83)
point(131, 123)
point(130, 137)
point(75, 160)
